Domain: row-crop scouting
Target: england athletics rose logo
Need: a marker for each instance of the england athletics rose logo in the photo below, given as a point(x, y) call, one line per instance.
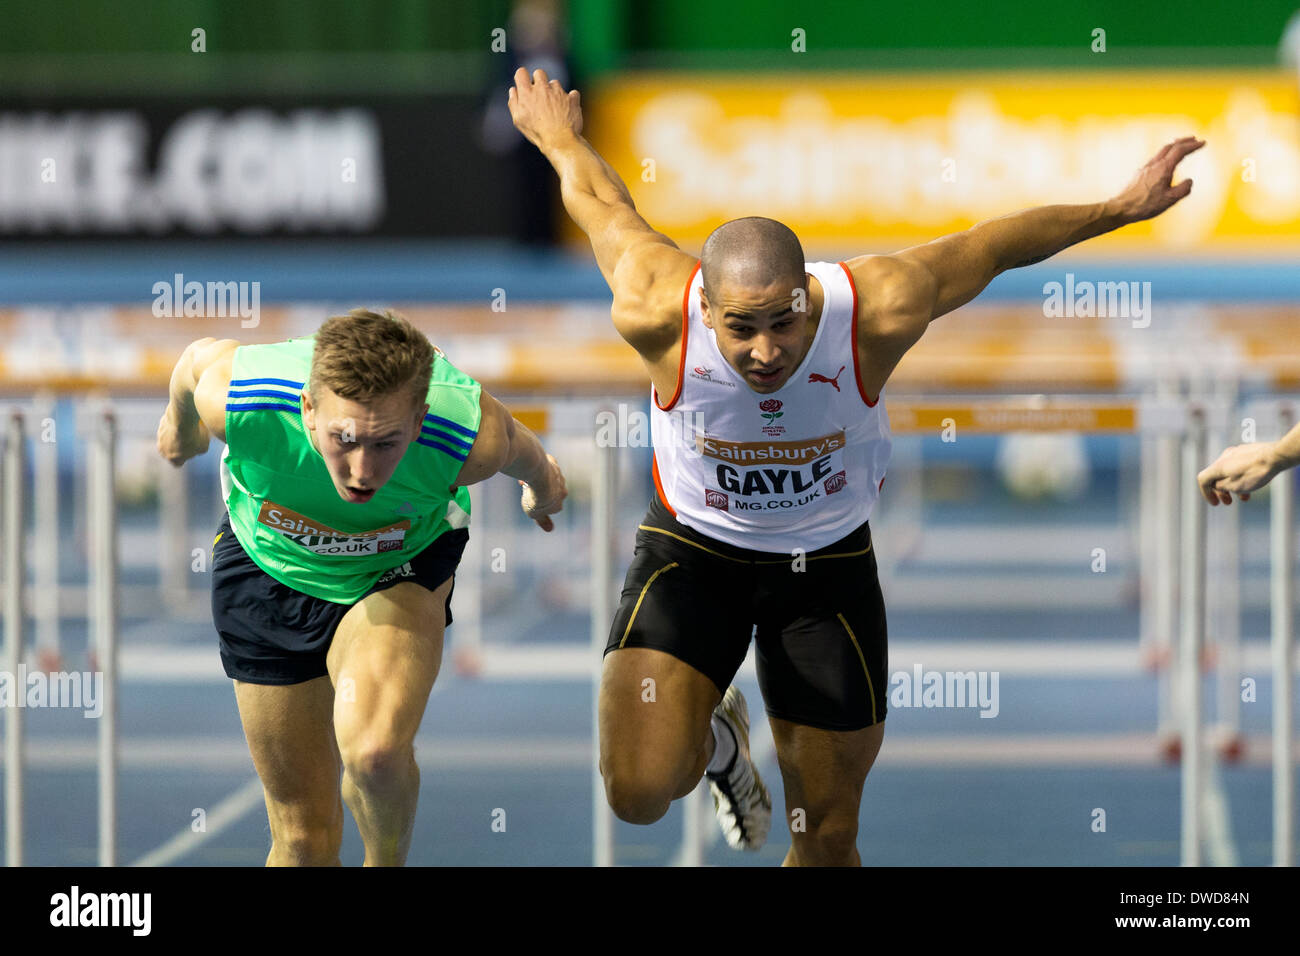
point(771, 409)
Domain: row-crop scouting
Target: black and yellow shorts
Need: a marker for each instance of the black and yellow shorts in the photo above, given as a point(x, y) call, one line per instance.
point(818, 623)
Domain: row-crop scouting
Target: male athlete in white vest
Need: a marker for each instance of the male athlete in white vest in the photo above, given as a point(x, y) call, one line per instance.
point(770, 447)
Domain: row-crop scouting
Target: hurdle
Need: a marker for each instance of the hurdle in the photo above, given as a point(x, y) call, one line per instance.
point(1191, 640)
point(103, 553)
point(1282, 601)
point(604, 485)
point(13, 528)
point(103, 585)
point(1179, 508)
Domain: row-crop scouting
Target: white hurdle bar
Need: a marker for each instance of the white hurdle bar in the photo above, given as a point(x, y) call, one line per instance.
point(14, 530)
point(604, 488)
point(1192, 639)
point(1282, 568)
point(45, 549)
point(103, 566)
point(103, 591)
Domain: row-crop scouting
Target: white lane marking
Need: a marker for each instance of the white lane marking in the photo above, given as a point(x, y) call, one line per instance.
point(228, 811)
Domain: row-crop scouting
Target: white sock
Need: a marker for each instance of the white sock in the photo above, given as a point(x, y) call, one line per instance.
point(724, 746)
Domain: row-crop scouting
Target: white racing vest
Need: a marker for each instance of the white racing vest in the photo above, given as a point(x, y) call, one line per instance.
point(800, 467)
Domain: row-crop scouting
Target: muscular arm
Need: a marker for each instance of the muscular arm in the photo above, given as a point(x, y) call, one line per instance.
point(912, 288)
point(505, 445)
point(196, 406)
point(644, 269)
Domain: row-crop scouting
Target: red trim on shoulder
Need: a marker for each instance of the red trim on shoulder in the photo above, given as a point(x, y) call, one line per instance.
point(857, 374)
point(659, 488)
point(681, 360)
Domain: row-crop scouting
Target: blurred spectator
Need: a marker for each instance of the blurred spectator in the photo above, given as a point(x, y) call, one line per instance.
point(534, 40)
point(1290, 47)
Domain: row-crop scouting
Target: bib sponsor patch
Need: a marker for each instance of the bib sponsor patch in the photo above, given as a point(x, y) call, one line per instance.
point(320, 538)
point(769, 452)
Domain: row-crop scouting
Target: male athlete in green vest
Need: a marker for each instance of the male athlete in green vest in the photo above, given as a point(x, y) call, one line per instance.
point(347, 456)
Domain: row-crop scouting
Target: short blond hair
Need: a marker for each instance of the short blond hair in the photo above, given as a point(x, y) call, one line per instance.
point(364, 355)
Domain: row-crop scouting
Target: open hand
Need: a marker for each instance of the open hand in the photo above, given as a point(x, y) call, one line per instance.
point(1150, 192)
point(541, 109)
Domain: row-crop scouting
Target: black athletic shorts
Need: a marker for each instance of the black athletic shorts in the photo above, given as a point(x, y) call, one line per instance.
point(272, 634)
point(821, 639)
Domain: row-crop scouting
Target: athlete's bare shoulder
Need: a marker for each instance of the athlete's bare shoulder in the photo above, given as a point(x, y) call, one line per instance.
point(649, 285)
point(891, 289)
point(212, 367)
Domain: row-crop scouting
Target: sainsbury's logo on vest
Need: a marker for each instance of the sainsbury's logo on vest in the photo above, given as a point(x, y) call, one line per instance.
point(320, 538)
point(769, 452)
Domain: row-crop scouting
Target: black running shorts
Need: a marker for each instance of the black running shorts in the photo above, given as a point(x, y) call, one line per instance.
point(272, 634)
point(818, 621)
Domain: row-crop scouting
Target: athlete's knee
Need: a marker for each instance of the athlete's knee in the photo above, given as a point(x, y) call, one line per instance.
point(306, 842)
point(636, 797)
point(829, 838)
point(377, 761)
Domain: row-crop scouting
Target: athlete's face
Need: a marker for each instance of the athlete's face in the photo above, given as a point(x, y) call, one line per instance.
point(362, 444)
point(761, 332)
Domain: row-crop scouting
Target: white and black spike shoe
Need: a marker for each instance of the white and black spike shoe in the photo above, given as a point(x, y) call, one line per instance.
point(742, 803)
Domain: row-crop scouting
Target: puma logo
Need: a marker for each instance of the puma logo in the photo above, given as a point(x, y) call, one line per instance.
point(814, 377)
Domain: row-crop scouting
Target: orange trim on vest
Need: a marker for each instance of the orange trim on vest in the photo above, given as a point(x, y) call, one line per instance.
point(681, 361)
point(857, 376)
point(659, 488)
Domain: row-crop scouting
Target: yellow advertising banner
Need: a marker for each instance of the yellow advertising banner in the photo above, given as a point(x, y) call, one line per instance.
point(876, 162)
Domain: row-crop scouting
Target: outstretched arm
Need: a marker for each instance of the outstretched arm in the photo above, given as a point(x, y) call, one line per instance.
point(594, 194)
point(913, 287)
point(1246, 468)
point(644, 269)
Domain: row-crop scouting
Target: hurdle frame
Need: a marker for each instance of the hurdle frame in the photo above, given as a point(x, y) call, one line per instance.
point(103, 551)
point(1282, 602)
point(12, 525)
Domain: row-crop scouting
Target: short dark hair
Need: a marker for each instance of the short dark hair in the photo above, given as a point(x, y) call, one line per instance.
point(752, 251)
point(364, 355)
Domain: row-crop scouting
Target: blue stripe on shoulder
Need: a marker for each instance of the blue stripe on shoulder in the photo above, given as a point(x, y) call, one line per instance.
point(447, 423)
point(274, 405)
point(266, 381)
point(434, 433)
point(458, 455)
point(262, 393)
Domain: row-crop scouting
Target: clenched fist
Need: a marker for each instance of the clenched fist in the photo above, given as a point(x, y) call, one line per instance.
point(1241, 469)
point(545, 497)
point(177, 443)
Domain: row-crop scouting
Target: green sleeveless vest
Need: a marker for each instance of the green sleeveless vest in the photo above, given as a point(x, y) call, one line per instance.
point(283, 505)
